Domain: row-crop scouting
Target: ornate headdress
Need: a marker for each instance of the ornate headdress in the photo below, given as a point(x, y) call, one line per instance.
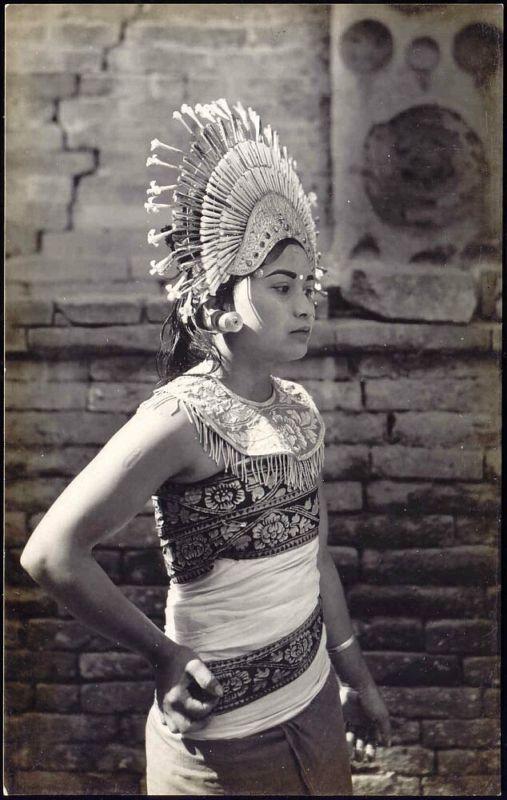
point(236, 195)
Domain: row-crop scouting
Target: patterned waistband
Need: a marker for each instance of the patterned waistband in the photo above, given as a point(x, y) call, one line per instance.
point(247, 678)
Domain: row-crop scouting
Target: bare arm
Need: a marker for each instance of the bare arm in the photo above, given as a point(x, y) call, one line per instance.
point(106, 495)
point(349, 664)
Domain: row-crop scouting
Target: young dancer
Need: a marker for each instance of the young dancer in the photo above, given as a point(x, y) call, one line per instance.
point(257, 630)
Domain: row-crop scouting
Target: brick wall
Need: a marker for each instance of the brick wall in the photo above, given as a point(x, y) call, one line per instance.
point(412, 461)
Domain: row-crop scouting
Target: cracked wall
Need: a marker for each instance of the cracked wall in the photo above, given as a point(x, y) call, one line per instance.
point(88, 88)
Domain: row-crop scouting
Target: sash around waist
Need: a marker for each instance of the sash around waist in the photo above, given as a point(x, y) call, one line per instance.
point(252, 676)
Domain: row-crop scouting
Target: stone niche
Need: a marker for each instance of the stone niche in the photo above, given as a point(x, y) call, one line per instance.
point(416, 146)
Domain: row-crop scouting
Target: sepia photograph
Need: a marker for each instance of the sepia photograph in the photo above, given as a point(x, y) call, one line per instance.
point(253, 337)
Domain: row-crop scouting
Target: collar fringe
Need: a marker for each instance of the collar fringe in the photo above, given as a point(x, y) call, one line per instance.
point(301, 473)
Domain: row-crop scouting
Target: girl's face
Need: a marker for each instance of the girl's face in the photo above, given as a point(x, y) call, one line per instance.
point(278, 309)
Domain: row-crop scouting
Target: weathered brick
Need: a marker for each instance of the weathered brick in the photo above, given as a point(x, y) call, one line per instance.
point(57, 634)
point(406, 760)
point(320, 369)
point(121, 757)
point(46, 86)
point(457, 566)
point(460, 498)
point(383, 530)
point(330, 395)
point(47, 461)
point(55, 783)
point(481, 671)
point(52, 756)
point(420, 462)
point(110, 561)
point(15, 340)
point(65, 427)
point(493, 464)
point(471, 786)
point(140, 533)
point(14, 634)
point(405, 731)
point(45, 396)
point(28, 602)
point(418, 601)
point(430, 366)
point(145, 567)
point(63, 727)
point(47, 371)
point(470, 530)
point(460, 733)
point(157, 310)
point(125, 368)
point(18, 697)
point(346, 561)
point(491, 703)
point(151, 600)
point(30, 312)
point(342, 428)
point(16, 529)
point(132, 728)
point(34, 495)
point(384, 633)
point(124, 696)
point(117, 396)
point(385, 785)
point(439, 428)
point(472, 636)
point(111, 666)
point(468, 762)
point(346, 462)
point(90, 310)
point(25, 665)
point(423, 294)
point(361, 334)
point(343, 496)
point(413, 669)
point(433, 702)
point(473, 395)
point(117, 338)
point(59, 698)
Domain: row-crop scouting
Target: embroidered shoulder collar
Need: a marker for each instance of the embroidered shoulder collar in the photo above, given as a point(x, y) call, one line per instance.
point(286, 432)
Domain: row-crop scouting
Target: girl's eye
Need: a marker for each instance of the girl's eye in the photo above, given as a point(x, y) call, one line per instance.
point(311, 292)
point(284, 289)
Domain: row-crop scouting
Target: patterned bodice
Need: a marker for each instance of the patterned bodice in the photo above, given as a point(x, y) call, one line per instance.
point(231, 517)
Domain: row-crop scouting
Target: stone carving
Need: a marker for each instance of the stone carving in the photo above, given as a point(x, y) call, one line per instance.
point(424, 169)
point(477, 49)
point(366, 46)
point(422, 56)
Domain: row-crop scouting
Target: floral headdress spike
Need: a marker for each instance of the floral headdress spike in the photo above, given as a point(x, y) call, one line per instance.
point(235, 194)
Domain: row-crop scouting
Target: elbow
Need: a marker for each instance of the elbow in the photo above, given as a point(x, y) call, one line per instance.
point(35, 563)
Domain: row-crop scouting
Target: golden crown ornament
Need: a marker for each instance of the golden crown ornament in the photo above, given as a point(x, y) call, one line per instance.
point(235, 196)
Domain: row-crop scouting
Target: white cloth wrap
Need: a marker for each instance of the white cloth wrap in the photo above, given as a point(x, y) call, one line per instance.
point(242, 606)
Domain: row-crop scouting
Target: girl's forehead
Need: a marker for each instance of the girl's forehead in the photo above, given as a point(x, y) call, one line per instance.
point(292, 258)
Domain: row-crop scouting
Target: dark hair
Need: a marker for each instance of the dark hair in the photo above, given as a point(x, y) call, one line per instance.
point(184, 345)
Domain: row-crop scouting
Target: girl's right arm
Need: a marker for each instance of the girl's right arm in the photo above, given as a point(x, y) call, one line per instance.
point(152, 447)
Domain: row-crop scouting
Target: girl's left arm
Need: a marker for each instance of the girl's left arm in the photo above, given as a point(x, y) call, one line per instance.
point(349, 663)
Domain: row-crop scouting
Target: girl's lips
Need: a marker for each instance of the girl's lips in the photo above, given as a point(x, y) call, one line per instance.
point(306, 331)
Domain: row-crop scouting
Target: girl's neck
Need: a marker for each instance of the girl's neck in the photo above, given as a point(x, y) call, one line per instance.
point(253, 382)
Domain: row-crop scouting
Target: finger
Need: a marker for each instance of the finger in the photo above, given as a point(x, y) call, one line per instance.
point(203, 677)
point(359, 749)
point(183, 703)
point(384, 726)
point(350, 738)
point(178, 723)
point(370, 752)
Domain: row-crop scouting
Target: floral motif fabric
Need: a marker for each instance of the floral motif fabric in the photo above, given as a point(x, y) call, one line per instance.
point(226, 517)
point(250, 677)
point(287, 429)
